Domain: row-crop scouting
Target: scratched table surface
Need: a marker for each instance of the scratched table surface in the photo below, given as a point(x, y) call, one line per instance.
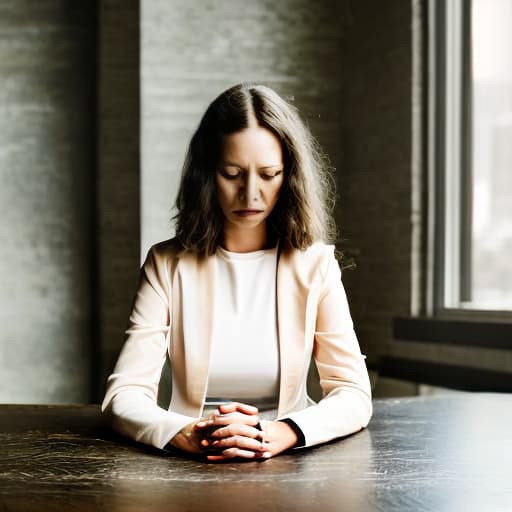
point(445, 453)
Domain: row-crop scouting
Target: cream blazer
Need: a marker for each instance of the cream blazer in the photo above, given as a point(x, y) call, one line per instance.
point(172, 311)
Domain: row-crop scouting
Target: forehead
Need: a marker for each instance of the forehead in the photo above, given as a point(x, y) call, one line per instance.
point(252, 145)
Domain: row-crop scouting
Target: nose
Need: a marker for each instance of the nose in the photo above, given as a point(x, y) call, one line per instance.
point(250, 192)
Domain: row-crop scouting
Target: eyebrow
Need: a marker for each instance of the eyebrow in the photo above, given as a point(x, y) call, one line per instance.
point(231, 164)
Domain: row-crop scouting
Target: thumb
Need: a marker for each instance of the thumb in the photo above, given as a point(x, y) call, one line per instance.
point(238, 407)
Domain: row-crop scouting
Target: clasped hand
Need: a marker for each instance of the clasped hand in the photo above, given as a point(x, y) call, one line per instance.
point(234, 433)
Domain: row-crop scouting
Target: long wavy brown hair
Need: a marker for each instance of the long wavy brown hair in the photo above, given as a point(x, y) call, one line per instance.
point(302, 214)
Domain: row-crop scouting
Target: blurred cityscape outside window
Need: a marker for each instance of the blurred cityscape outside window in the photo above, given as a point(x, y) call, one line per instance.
point(491, 147)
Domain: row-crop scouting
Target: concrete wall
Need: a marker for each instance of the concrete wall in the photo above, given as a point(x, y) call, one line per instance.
point(118, 185)
point(46, 182)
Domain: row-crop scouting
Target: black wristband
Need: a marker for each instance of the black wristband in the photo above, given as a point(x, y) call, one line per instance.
point(301, 440)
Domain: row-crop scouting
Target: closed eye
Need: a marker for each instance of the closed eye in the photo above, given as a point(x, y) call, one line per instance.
point(230, 174)
point(270, 176)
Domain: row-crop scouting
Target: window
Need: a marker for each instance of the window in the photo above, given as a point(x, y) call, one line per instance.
point(470, 157)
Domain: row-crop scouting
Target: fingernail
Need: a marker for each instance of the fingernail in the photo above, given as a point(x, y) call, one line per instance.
point(266, 455)
point(204, 442)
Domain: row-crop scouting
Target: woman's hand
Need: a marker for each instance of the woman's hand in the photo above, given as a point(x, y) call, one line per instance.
point(193, 438)
point(236, 434)
point(188, 438)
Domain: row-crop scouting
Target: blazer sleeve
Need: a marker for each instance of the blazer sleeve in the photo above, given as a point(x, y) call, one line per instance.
point(346, 406)
point(130, 401)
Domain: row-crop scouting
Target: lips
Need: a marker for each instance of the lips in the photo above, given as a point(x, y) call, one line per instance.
point(246, 213)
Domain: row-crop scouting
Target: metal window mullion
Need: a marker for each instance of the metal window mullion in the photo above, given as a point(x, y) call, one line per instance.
point(466, 171)
point(434, 215)
point(417, 134)
point(452, 153)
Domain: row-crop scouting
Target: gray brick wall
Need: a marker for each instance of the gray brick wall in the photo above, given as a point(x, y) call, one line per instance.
point(46, 143)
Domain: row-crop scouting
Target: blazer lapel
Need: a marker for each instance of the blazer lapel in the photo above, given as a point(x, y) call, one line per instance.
point(291, 321)
point(192, 313)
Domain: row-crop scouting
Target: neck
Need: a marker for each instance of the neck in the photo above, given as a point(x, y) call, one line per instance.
point(245, 240)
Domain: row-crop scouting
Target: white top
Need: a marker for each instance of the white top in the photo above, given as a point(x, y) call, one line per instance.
point(244, 360)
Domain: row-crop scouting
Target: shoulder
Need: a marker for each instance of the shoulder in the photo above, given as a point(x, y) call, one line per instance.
point(316, 252)
point(166, 248)
point(313, 261)
point(164, 253)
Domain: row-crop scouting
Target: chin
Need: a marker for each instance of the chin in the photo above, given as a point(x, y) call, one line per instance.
point(247, 222)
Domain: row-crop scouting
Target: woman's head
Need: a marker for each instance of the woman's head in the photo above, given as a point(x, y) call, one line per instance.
point(300, 213)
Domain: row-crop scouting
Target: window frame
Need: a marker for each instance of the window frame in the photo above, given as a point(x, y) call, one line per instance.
point(448, 142)
point(430, 320)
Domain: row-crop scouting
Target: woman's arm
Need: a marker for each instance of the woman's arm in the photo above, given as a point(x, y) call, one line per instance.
point(346, 406)
point(131, 397)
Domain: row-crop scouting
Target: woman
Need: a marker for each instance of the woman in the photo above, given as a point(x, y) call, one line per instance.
point(242, 297)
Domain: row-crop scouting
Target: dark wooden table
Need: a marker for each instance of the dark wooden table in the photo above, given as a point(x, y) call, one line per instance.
point(451, 453)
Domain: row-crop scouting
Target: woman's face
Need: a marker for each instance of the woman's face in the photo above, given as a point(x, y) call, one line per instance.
point(249, 176)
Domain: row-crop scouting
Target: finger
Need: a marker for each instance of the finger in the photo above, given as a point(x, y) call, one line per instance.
point(207, 424)
point(234, 417)
point(236, 429)
point(216, 457)
point(239, 452)
point(238, 406)
point(257, 456)
point(241, 442)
